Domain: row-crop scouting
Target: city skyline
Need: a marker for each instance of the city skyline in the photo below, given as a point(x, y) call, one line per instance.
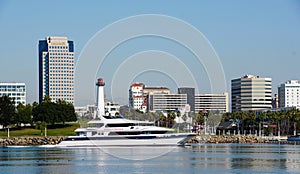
point(259, 38)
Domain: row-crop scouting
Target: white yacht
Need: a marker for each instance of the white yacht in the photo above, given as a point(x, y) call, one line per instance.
point(118, 131)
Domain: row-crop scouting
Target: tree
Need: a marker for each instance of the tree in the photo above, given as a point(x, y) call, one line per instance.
point(170, 118)
point(252, 117)
point(50, 112)
point(66, 112)
point(293, 115)
point(24, 113)
point(200, 117)
point(45, 112)
point(7, 111)
point(162, 120)
point(261, 118)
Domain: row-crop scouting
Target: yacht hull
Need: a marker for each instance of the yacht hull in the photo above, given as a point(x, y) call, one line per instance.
point(127, 140)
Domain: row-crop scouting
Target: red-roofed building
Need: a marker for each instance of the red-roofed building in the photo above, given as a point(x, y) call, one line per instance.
point(138, 95)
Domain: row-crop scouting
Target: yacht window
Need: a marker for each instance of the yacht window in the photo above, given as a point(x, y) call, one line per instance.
point(120, 125)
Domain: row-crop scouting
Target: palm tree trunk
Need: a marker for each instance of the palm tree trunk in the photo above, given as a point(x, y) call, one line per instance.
point(295, 129)
point(278, 129)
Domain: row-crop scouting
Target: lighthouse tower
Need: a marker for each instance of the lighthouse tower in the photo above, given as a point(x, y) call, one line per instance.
point(100, 98)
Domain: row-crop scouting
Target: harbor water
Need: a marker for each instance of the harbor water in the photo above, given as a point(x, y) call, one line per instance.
point(204, 158)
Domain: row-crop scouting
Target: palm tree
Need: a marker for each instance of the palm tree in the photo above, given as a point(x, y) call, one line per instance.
point(261, 117)
point(178, 114)
point(293, 115)
point(251, 115)
point(279, 116)
point(271, 119)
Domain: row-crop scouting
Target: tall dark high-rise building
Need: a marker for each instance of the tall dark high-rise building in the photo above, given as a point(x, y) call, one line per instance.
point(56, 69)
point(190, 92)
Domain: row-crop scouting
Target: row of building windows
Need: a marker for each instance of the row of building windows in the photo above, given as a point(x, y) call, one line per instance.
point(68, 76)
point(292, 95)
point(61, 95)
point(61, 60)
point(61, 78)
point(63, 65)
point(65, 99)
point(59, 50)
point(66, 53)
point(67, 80)
point(12, 90)
point(10, 86)
point(61, 88)
point(58, 47)
point(292, 87)
point(67, 83)
point(61, 84)
point(12, 94)
point(61, 54)
point(58, 78)
point(59, 73)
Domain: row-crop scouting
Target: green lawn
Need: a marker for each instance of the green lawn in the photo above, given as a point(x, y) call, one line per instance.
point(57, 130)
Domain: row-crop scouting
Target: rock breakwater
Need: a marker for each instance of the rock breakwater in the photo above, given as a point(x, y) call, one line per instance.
point(227, 139)
point(31, 141)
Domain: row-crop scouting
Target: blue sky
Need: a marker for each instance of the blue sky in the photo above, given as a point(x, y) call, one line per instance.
point(250, 37)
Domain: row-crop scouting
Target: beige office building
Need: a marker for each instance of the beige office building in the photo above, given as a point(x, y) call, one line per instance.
point(251, 93)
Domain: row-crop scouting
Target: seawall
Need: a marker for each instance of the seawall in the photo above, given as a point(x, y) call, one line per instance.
point(31, 141)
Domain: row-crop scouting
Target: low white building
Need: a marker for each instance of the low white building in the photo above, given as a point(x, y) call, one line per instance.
point(289, 94)
point(85, 111)
point(112, 108)
point(16, 91)
point(163, 102)
point(211, 102)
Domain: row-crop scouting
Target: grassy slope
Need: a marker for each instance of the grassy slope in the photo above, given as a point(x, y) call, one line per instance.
point(58, 130)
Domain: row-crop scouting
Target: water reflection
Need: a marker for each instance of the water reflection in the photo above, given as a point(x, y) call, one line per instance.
point(210, 158)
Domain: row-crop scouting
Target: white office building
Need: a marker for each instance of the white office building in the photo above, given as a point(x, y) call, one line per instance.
point(211, 102)
point(56, 69)
point(164, 102)
point(289, 94)
point(16, 91)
